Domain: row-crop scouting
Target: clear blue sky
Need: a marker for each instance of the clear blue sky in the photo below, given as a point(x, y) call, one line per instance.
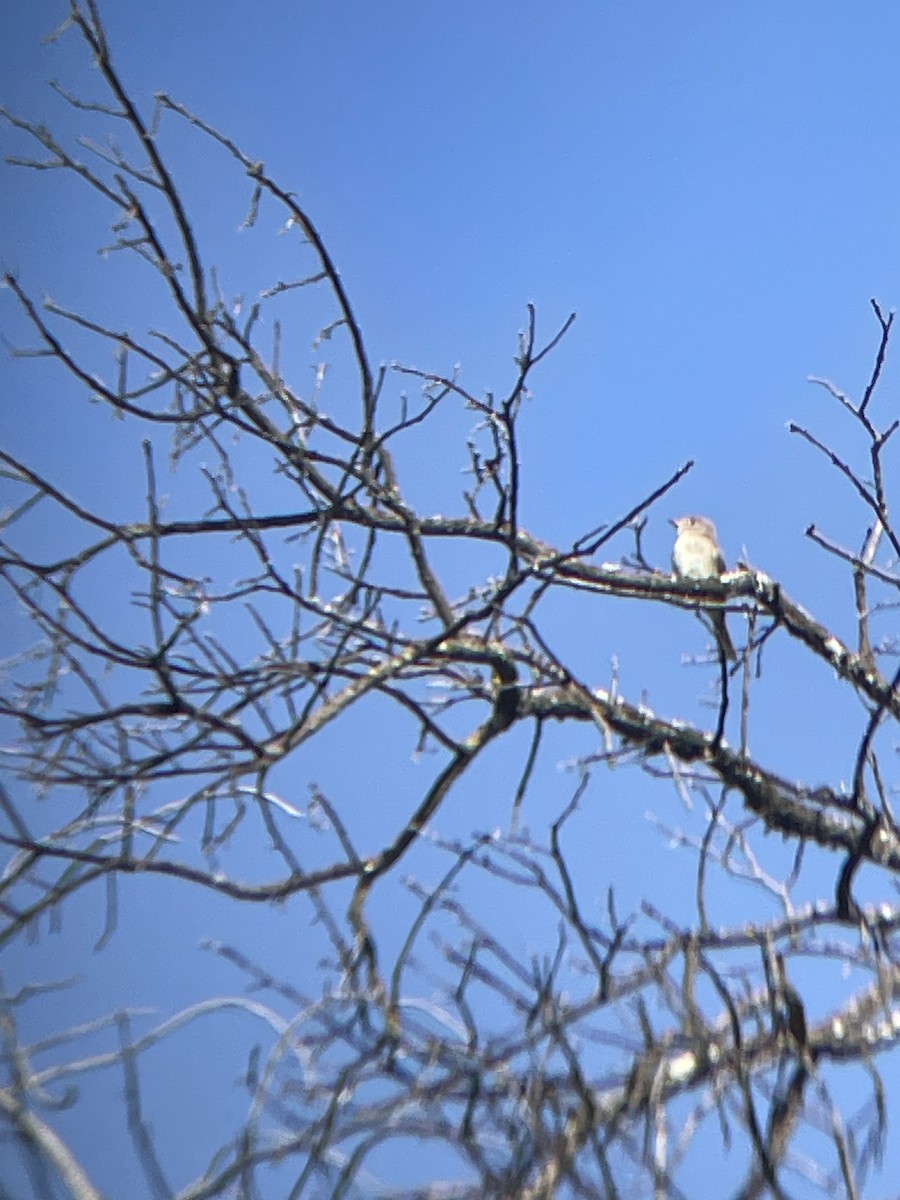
point(713, 187)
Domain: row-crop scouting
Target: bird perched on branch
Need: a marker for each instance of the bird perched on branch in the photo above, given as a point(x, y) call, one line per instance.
point(696, 555)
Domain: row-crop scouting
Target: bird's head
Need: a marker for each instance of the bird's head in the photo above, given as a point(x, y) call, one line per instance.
point(695, 525)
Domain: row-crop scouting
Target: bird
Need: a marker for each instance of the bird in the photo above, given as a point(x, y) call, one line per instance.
point(697, 555)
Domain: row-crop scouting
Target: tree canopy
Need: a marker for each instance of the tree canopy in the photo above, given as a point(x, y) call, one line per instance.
point(255, 672)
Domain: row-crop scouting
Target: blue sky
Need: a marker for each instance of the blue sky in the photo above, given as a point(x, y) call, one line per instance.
point(713, 187)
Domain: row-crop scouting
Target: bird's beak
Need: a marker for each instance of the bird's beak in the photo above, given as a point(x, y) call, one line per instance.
point(673, 521)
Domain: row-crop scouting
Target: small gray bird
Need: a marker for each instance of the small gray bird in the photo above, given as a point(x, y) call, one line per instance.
point(696, 555)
